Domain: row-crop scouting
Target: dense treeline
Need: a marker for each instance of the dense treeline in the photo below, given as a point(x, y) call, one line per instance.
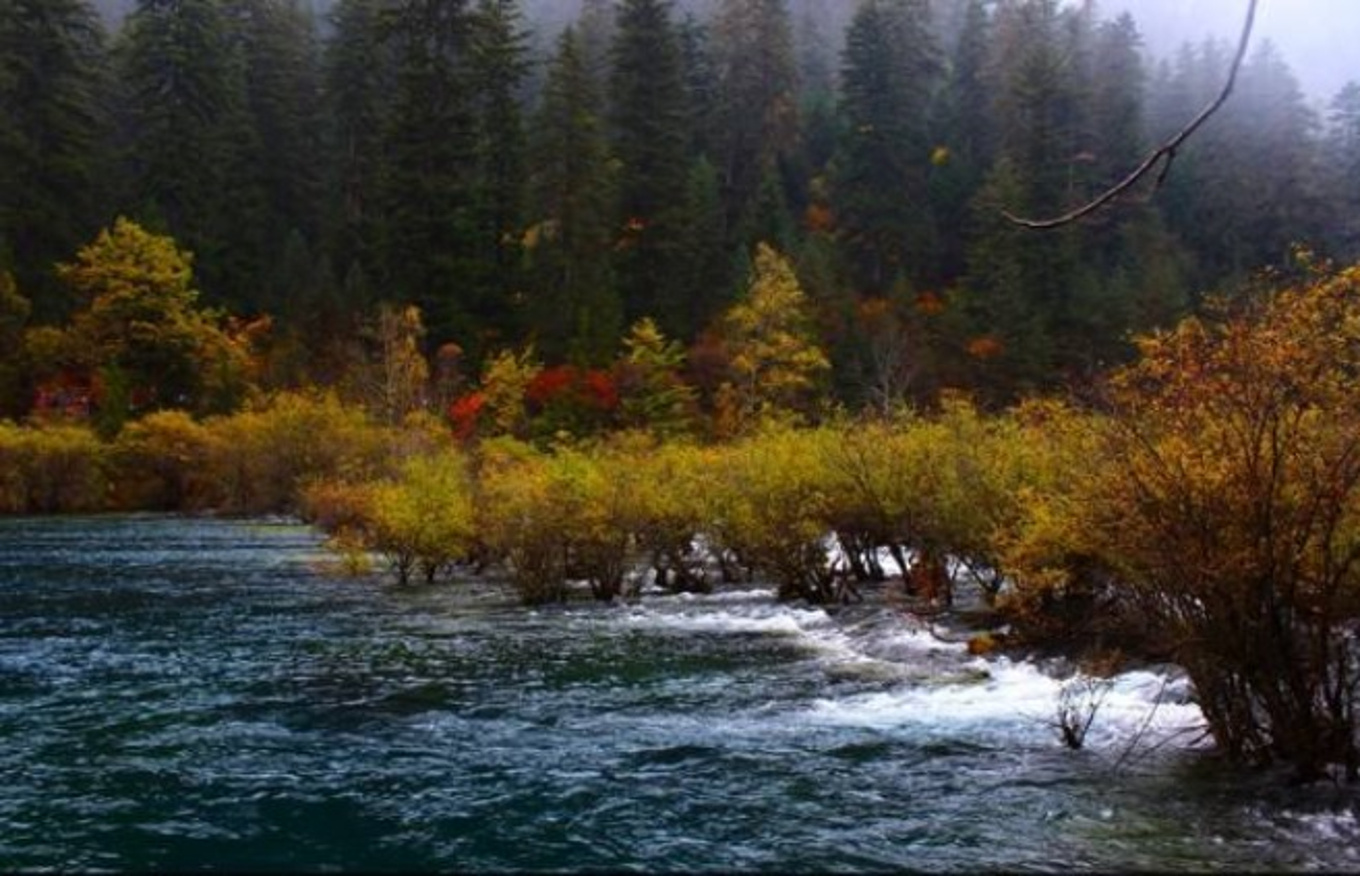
point(522, 184)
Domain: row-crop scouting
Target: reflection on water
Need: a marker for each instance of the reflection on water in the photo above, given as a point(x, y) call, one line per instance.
point(180, 694)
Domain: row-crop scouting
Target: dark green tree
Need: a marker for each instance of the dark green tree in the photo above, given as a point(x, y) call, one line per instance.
point(284, 91)
point(575, 311)
point(963, 140)
point(498, 66)
point(359, 83)
point(649, 111)
point(188, 138)
point(757, 101)
point(430, 152)
point(883, 212)
point(53, 133)
point(1343, 160)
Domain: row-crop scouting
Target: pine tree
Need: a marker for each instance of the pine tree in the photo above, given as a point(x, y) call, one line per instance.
point(649, 138)
point(187, 138)
point(498, 67)
point(283, 90)
point(430, 152)
point(574, 309)
point(1343, 158)
point(360, 79)
point(52, 161)
point(757, 100)
point(964, 142)
point(882, 200)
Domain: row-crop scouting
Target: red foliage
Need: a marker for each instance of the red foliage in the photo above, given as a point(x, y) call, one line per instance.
point(569, 385)
point(550, 383)
point(601, 390)
point(465, 412)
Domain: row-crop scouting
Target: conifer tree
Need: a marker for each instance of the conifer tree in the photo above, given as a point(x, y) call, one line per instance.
point(888, 79)
point(430, 153)
point(360, 79)
point(574, 307)
point(283, 90)
point(498, 66)
point(647, 92)
point(757, 100)
point(187, 138)
point(52, 136)
point(1343, 157)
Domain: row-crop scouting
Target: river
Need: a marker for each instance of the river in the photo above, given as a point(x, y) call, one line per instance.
point(202, 694)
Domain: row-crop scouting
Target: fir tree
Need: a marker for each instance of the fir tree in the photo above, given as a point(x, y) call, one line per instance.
point(574, 309)
point(649, 139)
point(883, 211)
point(52, 171)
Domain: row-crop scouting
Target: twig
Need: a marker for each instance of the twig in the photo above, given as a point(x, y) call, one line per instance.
point(1147, 722)
point(1165, 153)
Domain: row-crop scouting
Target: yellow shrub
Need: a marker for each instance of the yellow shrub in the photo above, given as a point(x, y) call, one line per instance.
point(520, 521)
point(257, 460)
point(159, 463)
point(771, 508)
point(672, 491)
point(424, 520)
point(51, 469)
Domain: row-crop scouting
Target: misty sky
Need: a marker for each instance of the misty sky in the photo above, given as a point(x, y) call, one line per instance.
point(1320, 39)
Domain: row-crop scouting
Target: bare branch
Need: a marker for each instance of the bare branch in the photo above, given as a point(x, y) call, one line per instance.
point(1164, 154)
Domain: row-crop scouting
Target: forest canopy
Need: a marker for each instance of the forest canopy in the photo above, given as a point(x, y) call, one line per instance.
point(521, 179)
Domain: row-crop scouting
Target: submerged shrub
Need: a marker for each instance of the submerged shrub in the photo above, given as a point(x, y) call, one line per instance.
point(673, 488)
point(558, 515)
point(1228, 511)
point(423, 521)
point(519, 520)
point(771, 509)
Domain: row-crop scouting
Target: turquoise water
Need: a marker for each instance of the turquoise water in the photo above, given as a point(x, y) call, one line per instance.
point(196, 694)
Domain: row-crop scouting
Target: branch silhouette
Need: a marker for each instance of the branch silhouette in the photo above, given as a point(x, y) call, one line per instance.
point(1164, 154)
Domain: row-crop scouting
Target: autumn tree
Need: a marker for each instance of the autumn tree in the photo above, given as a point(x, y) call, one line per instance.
point(775, 363)
point(142, 334)
point(1236, 445)
point(653, 394)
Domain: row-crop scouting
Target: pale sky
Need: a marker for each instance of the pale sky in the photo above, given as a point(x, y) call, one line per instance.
point(1320, 39)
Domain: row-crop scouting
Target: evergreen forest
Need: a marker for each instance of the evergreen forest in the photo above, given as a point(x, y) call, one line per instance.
point(525, 179)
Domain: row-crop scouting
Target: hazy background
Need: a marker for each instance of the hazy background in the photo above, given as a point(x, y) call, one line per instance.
point(1320, 39)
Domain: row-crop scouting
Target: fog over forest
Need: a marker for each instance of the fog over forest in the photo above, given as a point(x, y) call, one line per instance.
point(1316, 37)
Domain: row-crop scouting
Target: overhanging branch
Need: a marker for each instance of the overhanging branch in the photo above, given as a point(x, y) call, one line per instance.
point(1164, 154)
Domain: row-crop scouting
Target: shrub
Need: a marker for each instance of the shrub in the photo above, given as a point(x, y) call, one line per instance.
point(771, 509)
point(1228, 509)
point(672, 489)
point(424, 520)
point(51, 469)
point(258, 460)
point(160, 463)
point(520, 521)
